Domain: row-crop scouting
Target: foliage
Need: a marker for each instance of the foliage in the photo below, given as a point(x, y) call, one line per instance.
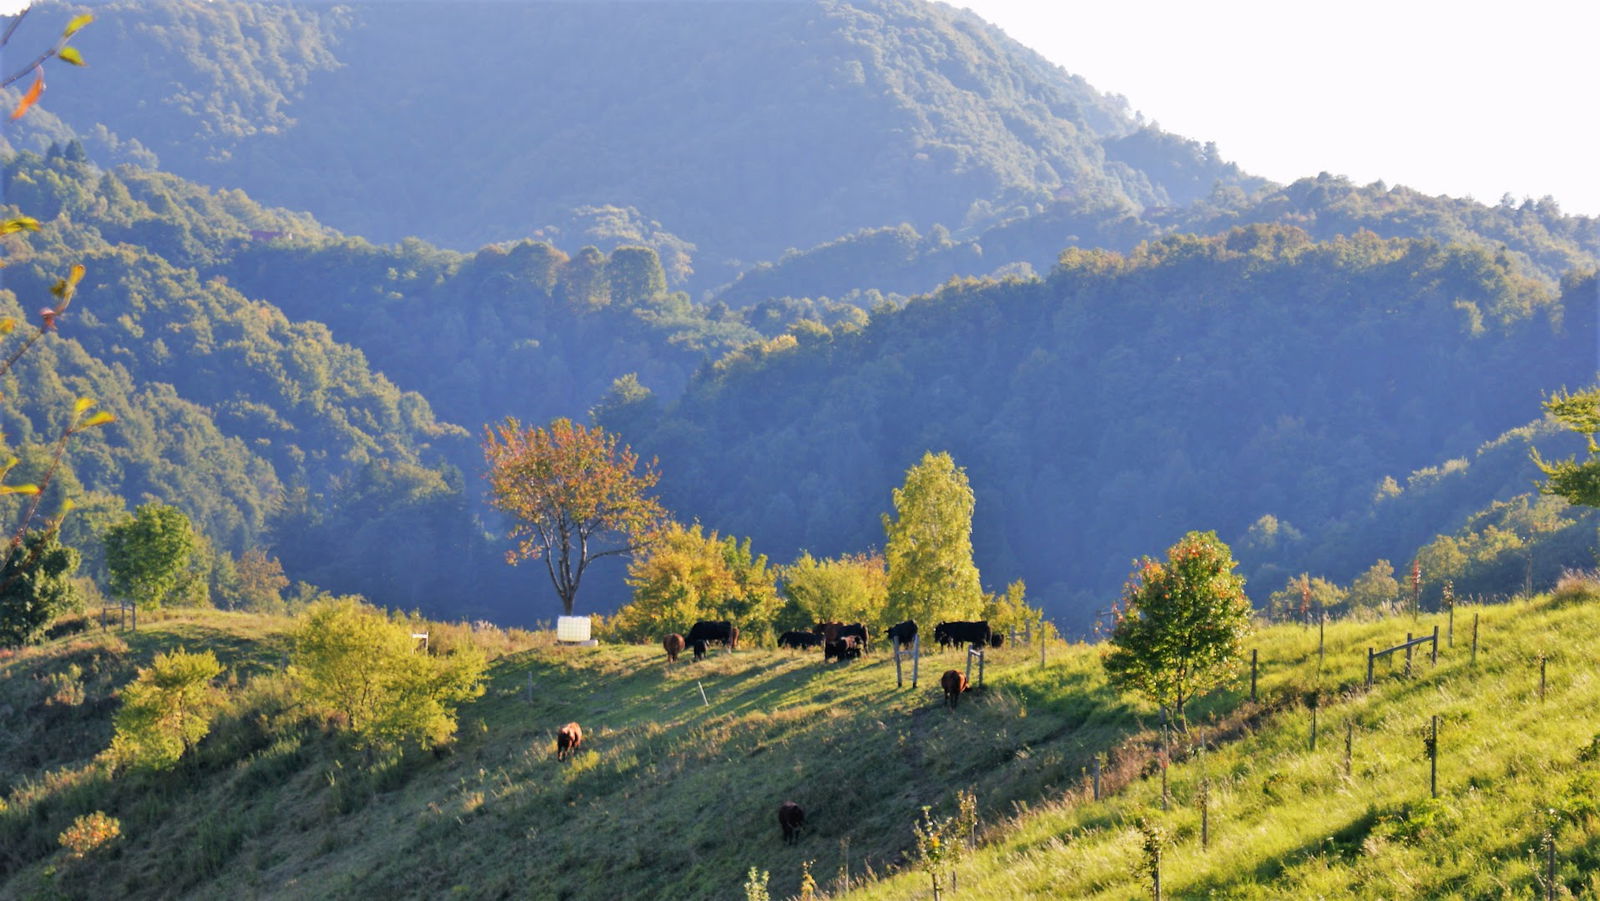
point(166, 710)
point(688, 575)
point(1010, 610)
point(928, 548)
point(257, 582)
point(1182, 624)
point(366, 670)
point(1305, 597)
point(90, 833)
point(36, 586)
point(853, 588)
point(1376, 590)
point(573, 494)
point(941, 843)
point(755, 885)
point(1126, 397)
point(149, 555)
point(1578, 483)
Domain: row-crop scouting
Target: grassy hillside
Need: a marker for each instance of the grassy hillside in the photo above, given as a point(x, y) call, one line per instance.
point(675, 797)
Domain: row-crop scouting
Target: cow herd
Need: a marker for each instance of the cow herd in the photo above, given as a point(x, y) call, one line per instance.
point(839, 641)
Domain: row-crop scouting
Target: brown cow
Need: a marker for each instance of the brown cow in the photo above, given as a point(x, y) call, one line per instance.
point(568, 738)
point(954, 682)
point(674, 646)
point(791, 817)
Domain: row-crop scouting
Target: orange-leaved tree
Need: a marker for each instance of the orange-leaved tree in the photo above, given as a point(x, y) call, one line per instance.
point(576, 496)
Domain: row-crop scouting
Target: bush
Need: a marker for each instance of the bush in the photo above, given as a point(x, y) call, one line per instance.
point(89, 833)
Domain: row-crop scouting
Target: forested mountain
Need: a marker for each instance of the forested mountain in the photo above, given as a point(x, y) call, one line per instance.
point(1103, 411)
point(263, 429)
point(741, 128)
point(1534, 234)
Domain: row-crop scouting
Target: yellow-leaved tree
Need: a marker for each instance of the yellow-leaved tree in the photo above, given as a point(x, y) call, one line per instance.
point(356, 664)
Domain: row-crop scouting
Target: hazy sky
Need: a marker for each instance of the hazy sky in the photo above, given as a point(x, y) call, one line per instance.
point(1447, 97)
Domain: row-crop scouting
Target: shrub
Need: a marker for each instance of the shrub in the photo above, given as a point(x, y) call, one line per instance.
point(89, 833)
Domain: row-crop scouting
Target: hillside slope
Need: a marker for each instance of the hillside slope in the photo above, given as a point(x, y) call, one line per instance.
point(675, 796)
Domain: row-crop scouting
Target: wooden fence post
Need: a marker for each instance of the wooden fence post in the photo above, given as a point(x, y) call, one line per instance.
point(1474, 638)
point(1541, 676)
point(1097, 777)
point(1043, 640)
point(1408, 655)
point(1349, 740)
point(1253, 675)
point(1164, 753)
point(1451, 631)
point(1205, 813)
point(1313, 727)
point(1435, 659)
point(1370, 653)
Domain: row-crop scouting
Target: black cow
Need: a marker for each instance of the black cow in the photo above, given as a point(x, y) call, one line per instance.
point(976, 634)
point(699, 650)
point(996, 639)
point(846, 648)
point(902, 634)
point(799, 641)
point(724, 633)
point(791, 817)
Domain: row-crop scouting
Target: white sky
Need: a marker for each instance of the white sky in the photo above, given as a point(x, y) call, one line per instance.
point(1460, 98)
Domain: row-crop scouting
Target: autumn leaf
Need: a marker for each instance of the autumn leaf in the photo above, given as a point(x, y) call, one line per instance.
point(81, 404)
point(19, 489)
point(76, 24)
point(32, 97)
point(71, 55)
point(19, 224)
point(7, 325)
point(100, 418)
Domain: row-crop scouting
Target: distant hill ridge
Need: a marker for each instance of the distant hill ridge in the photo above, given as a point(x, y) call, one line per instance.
point(746, 128)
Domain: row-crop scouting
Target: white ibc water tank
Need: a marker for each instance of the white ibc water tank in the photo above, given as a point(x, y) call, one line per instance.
point(572, 628)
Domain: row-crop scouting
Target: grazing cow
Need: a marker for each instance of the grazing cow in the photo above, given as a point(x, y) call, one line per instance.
point(954, 682)
point(791, 817)
point(976, 634)
point(699, 650)
point(723, 632)
point(799, 641)
point(568, 738)
point(859, 631)
point(846, 648)
point(902, 634)
point(996, 639)
point(674, 646)
point(829, 631)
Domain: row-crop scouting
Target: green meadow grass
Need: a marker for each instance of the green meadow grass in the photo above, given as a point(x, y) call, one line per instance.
point(674, 797)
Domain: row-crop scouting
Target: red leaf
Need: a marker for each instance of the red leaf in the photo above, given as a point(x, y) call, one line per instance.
point(32, 97)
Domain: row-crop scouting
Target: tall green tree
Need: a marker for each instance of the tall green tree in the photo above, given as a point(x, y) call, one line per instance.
point(929, 544)
point(1181, 625)
point(149, 555)
point(35, 587)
